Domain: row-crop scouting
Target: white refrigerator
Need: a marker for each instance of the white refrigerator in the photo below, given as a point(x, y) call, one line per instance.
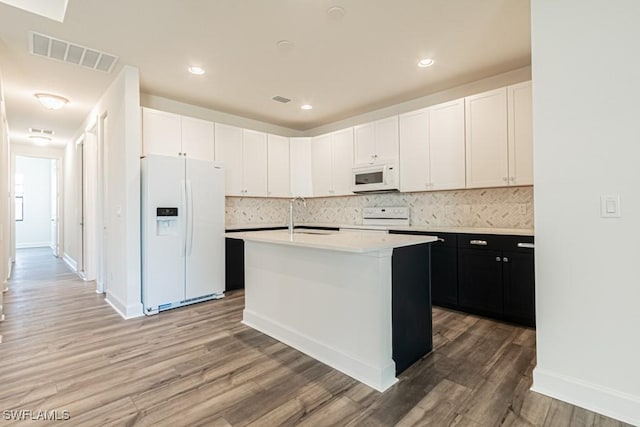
point(183, 239)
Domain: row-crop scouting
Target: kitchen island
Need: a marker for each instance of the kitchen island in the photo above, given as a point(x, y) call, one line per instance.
point(358, 301)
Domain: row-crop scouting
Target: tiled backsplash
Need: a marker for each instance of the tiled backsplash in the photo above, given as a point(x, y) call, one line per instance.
point(489, 207)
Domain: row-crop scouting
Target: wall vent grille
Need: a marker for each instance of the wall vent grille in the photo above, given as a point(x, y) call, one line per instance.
point(43, 132)
point(72, 53)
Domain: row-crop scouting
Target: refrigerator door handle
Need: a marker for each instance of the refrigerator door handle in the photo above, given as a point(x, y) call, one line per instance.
point(189, 243)
point(183, 223)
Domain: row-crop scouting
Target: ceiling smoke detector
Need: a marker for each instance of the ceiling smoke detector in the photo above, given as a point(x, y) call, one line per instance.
point(281, 99)
point(336, 13)
point(71, 53)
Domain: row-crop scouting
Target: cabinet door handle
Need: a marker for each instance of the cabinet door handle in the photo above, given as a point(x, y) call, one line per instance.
point(498, 259)
point(526, 245)
point(505, 179)
point(478, 242)
point(505, 259)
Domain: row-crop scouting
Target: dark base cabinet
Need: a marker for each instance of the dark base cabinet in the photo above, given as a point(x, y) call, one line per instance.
point(489, 275)
point(411, 317)
point(496, 277)
point(234, 264)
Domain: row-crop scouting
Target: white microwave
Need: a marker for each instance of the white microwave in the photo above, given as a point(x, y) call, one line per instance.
point(381, 178)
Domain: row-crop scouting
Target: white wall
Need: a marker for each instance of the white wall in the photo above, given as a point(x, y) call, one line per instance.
point(121, 105)
point(72, 205)
point(35, 228)
point(586, 82)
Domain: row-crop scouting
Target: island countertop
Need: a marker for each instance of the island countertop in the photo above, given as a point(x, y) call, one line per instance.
point(358, 242)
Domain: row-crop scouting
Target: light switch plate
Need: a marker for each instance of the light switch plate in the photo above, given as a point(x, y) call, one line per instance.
point(610, 206)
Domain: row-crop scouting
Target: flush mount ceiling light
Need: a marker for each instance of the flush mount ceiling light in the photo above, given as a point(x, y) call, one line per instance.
point(198, 71)
point(39, 139)
point(51, 102)
point(306, 107)
point(425, 62)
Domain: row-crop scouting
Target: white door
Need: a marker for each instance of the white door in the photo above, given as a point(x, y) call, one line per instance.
point(414, 151)
point(102, 215)
point(520, 134)
point(197, 139)
point(342, 162)
point(447, 146)
point(254, 154)
point(387, 140)
point(161, 133)
point(278, 166)
point(228, 150)
point(54, 207)
point(205, 241)
point(164, 237)
point(486, 139)
point(321, 165)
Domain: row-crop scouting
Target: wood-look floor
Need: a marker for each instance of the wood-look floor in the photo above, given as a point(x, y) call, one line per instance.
point(66, 349)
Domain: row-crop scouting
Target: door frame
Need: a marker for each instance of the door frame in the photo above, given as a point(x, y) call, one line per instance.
point(19, 150)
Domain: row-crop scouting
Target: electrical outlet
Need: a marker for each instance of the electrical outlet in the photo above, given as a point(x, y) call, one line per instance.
point(522, 209)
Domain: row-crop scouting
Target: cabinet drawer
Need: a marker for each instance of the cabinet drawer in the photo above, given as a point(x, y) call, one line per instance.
point(496, 242)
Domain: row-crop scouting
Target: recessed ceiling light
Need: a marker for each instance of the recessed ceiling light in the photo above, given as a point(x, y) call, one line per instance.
point(335, 13)
point(51, 102)
point(40, 140)
point(426, 62)
point(196, 70)
point(284, 46)
point(306, 107)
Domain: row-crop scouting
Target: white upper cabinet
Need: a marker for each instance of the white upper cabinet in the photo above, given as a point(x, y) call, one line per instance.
point(161, 133)
point(300, 162)
point(197, 139)
point(519, 115)
point(341, 162)
point(174, 135)
point(321, 165)
point(376, 142)
point(278, 166)
point(254, 163)
point(332, 163)
point(486, 139)
point(414, 151)
point(432, 149)
point(228, 152)
point(447, 146)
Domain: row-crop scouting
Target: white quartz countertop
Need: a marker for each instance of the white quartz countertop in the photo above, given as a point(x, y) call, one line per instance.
point(467, 230)
point(359, 242)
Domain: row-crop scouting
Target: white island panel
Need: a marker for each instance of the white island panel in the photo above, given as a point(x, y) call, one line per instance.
point(333, 305)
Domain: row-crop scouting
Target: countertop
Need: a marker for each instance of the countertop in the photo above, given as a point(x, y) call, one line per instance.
point(426, 229)
point(335, 241)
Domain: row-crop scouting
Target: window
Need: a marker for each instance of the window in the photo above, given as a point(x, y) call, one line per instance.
point(19, 198)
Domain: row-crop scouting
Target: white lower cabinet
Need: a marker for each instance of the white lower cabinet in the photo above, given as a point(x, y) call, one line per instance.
point(332, 163)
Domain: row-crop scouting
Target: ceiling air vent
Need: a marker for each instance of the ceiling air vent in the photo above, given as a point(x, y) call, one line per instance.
point(281, 99)
point(60, 50)
point(43, 132)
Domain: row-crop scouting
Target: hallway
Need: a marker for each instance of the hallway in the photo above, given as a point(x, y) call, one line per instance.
point(38, 264)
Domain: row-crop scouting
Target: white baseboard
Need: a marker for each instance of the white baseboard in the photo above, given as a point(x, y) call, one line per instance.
point(126, 312)
point(33, 245)
point(612, 403)
point(72, 263)
point(379, 378)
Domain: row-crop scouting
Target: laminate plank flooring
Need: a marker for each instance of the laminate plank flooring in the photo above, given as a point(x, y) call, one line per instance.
point(65, 349)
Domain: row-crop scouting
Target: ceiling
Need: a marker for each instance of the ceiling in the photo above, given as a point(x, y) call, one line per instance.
point(343, 66)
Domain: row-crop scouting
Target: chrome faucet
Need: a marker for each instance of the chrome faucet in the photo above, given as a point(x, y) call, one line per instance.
point(291, 202)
